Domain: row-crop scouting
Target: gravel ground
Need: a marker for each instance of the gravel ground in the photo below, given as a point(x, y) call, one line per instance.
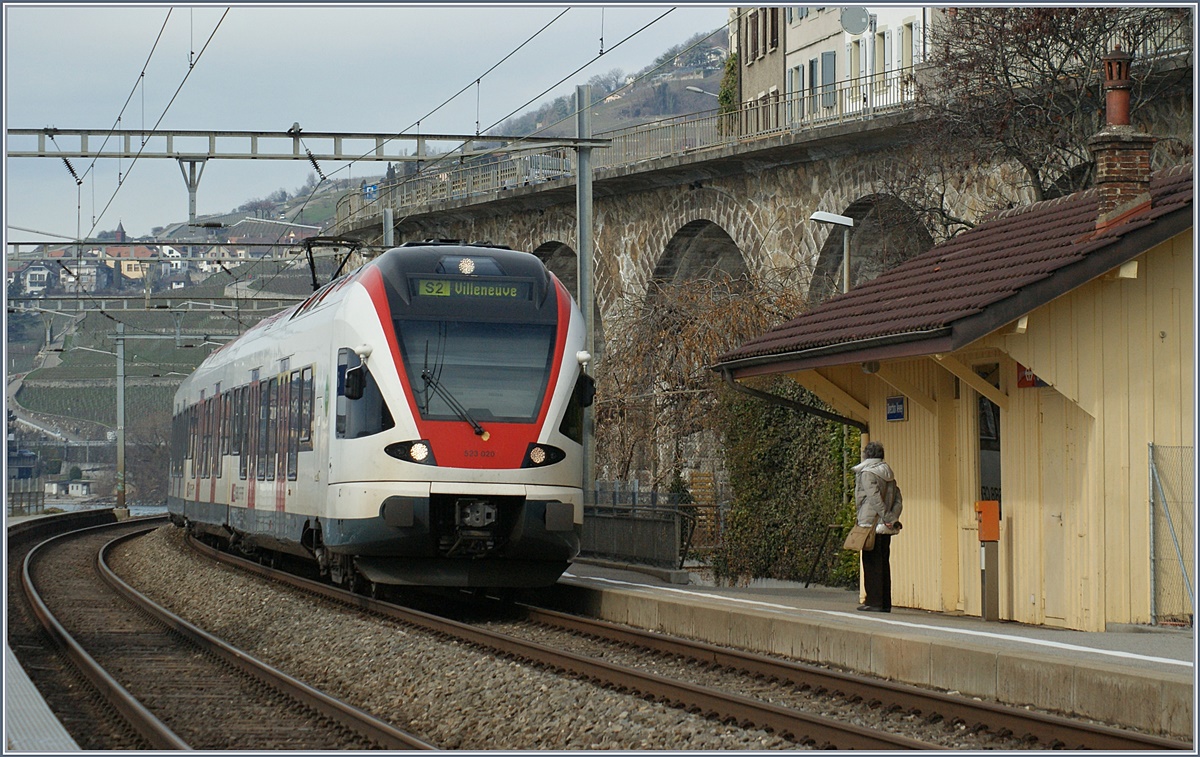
point(950, 735)
point(448, 694)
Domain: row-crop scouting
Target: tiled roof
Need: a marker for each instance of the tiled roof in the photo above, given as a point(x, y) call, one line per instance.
point(981, 279)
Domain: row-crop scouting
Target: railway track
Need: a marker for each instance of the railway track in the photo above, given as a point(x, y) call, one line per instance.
point(1035, 729)
point(171, 685)
point(1001, 726)
point(802, 728)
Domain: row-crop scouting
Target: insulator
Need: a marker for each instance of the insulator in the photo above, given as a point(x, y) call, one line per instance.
point(71, 168)
point(316, 167)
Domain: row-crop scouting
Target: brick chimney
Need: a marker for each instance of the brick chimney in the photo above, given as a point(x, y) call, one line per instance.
point(1122, 152)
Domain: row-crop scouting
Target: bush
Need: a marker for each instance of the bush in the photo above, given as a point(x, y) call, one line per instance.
point(785, 469)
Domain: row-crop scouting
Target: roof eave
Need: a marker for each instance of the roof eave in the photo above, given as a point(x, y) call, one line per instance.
point(974, 327)
point(888, 347)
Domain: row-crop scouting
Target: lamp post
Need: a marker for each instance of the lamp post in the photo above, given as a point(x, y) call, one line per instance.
point(847, 223)
point(701, 91)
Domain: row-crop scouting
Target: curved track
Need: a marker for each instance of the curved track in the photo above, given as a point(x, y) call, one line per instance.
point(176, 686)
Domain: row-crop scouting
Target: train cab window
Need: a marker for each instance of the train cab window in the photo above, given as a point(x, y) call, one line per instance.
point(496, 371)
point(367, 414)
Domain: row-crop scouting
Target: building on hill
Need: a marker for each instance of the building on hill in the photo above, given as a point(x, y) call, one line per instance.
point(1043, 360)
point(265, 237)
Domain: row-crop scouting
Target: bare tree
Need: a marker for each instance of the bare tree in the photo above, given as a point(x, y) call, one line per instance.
point(656, 396)
point(1012, 96)
point(1023, 85)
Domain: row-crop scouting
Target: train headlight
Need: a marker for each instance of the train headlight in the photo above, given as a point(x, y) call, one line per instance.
point(419, 451)
point(541, 455)
point(412, 452)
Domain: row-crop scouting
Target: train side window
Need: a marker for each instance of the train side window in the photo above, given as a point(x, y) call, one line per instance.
point(582, 396)
point(264, 432)
point(283, 403)
point(226, 400)
point(368, 413)
point(235, 421)
point(178, 444)
point(249, 409)
point(272, 421)
point(218, 403)
point(306, 408)
point(193, 438)
point(293, 436)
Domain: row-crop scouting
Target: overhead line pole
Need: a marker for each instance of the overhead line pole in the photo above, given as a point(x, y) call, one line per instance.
point(583, 203)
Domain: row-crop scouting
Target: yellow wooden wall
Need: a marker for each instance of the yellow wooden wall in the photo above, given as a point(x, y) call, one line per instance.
point(1118, 355)
point(1074, 539)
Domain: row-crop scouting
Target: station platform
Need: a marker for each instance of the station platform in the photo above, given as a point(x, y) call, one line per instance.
point(29, 724)
point(1134, 676)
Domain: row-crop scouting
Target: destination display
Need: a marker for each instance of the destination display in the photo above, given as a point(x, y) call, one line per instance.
point(473, 288)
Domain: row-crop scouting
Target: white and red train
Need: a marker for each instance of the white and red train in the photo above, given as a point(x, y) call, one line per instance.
point(416, 422)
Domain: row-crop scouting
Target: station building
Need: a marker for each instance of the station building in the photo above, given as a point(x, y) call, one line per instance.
point(1035, 360)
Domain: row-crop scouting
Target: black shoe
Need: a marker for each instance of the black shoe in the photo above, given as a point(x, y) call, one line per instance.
point(870, 608)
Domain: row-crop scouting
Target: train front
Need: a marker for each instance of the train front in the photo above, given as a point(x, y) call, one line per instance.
point(457, 453)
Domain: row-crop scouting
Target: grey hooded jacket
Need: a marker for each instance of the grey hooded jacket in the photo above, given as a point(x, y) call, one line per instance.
point(873, 480)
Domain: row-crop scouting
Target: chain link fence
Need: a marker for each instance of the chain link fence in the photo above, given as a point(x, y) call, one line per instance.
point(1172, 534)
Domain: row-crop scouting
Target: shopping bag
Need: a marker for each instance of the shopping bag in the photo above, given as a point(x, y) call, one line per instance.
point(861, 539)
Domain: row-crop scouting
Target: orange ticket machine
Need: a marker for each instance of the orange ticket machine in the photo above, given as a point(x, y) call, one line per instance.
point(987, 513)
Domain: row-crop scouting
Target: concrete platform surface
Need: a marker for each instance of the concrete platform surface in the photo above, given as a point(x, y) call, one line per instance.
point(1134, 676)
point(29, 725)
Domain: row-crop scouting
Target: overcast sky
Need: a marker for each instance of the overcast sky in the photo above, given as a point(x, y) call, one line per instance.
point(349, 68)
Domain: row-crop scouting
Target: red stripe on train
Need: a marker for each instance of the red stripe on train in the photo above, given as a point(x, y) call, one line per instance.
point(455, 443)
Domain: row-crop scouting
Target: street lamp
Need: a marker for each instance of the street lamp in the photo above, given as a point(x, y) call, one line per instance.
point(701, 91)
point(847, 223)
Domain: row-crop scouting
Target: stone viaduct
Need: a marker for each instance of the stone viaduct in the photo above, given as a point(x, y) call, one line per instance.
point(742, 209)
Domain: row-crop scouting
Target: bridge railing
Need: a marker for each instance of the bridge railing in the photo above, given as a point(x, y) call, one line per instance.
point(859, 99)
point(852, 100)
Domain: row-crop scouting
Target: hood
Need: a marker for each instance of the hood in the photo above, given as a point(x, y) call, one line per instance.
point(876, 466)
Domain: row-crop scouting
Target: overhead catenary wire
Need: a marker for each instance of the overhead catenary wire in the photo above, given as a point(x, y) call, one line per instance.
point(477, 82)
point(120, 182)
point(441, 160)
point(163, 115)
point(435, 165)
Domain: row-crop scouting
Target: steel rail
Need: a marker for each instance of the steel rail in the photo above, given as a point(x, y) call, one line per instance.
point(1054, 732)
point(140, 719)
point(744, 711)
point(363, 723)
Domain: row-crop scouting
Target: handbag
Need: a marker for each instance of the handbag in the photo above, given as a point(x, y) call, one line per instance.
point(861, 538)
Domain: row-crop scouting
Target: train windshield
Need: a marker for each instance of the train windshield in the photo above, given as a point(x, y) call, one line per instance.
point(495, 371)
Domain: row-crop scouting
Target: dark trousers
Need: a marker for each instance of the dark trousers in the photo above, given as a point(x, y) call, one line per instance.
point(877, 572)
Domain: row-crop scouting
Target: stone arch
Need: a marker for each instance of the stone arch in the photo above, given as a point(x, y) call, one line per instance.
point(886, 233)
point(562, 260)
point(697, 250)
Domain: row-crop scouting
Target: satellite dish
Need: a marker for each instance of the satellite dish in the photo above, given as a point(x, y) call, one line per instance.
point(854, 20)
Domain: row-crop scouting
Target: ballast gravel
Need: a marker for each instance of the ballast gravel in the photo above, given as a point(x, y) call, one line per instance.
point(452, 695)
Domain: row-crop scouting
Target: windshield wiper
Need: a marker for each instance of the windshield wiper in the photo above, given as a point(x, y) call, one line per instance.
point(454, 404)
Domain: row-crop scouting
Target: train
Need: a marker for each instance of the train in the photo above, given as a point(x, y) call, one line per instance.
point(416, 422)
